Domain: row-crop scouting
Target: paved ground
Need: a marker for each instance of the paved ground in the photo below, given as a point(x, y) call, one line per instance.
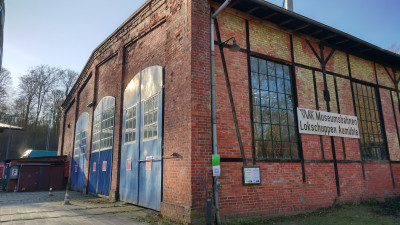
point(39, 208)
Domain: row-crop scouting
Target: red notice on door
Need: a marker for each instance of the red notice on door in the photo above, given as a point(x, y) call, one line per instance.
point(94, 167)
point(128, 165)
point(148, 162)
point(104, 167)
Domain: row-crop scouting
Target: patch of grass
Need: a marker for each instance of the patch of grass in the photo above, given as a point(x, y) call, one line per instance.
point(369, 213)
point(391, 206)
point(157, 219)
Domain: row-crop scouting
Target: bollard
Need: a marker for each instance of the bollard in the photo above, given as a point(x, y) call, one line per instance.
point(66, 199)
point(51, 191)
point(15, 188)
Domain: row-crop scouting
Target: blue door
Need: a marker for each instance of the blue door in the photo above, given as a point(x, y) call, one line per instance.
point(79, 159)
point(102, 147)
point(141, 152)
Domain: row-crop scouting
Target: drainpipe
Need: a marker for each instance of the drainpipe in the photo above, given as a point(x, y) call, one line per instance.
point(213, 113)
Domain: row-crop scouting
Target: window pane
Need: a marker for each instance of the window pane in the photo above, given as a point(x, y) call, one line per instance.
point(254, 64)
point(255, 82)
point(263, 82)
point(262, 66)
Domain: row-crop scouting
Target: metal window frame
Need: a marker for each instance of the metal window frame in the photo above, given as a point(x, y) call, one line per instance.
point(153, 123)
point(371, 108)
point(94, 133)
point(291, 127)
point(130, 130)
point(112, 108)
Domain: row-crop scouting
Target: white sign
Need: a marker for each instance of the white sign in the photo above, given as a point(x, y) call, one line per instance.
point(251, 175)
point(216, 171)
point(326, 123)
point(14, 172)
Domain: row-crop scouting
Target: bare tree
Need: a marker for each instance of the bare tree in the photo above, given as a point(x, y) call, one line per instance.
point(25, 102)
point(394, 48)
point(68, 78)
point(5, 81)
point(44, 78)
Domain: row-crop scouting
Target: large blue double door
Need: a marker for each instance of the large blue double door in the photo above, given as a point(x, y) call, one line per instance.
point(102, 147)
point(79, 156)
point(141, 148)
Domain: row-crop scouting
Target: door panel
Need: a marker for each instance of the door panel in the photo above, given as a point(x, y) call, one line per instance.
point(129, 186)
point(79, 159)
point(142, 184)
point(102, 147)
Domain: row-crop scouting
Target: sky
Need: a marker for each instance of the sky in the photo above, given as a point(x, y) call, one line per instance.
point(63, 33)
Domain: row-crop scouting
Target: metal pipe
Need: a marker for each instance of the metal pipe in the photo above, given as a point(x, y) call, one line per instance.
point(213, 112)
point(289, 5)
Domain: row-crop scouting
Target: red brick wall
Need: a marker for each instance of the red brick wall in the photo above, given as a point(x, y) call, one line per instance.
point(282, 189)
point(176, 35)
point(70, 119)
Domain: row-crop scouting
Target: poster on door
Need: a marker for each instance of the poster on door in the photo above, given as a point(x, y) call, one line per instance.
point(128, 165)
point(94, 167)
point(149, 159)
point(104, 167)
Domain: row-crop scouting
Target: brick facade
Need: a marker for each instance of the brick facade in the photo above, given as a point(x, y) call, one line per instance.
point(176, 35)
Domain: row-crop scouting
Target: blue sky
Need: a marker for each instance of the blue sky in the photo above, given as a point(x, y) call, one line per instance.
point(65, 32)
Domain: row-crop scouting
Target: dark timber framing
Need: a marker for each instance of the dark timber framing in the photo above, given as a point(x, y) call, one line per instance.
point(354, 108)
point(228, 86)
point(317, 108)
point(253, 148)
point(323, 61)
point(384, 136)
point(300, 145)
point(354, 51)
point(338, 109)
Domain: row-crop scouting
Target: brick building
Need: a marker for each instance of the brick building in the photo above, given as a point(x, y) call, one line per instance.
point(137, 124)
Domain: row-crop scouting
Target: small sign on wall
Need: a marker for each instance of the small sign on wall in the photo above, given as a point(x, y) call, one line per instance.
point(216, 165)
point(94, 167)
point(14, 172)
point(104, 166)
point(251, 175)
point(128, 165)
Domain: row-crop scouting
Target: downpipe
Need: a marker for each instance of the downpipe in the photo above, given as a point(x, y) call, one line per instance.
point(213, 111)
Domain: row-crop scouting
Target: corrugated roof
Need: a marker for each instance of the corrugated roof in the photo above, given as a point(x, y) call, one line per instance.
point(301, 24)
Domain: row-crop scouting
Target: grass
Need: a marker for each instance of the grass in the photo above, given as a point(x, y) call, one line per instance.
point(367, 213)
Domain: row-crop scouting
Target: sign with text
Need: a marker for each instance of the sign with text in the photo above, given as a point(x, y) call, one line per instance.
point(251, 175)
point(327, 123)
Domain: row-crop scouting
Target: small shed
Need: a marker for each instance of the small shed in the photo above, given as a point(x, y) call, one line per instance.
point(37, 174)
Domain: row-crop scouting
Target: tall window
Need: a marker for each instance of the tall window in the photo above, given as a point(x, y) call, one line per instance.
point(76, 144)
point(275, 132)
point(369, 122)
point(107, 127)
point(96, 133)
point(150, 117)
point(83, 142)
point(130, 125)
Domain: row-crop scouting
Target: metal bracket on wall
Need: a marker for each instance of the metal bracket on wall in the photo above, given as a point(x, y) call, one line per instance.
point(172, 156)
